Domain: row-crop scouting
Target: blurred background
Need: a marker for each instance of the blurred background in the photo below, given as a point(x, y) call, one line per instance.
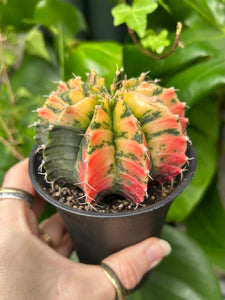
point(45, 41)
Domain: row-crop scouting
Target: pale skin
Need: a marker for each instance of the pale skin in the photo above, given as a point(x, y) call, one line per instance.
point(31, 270)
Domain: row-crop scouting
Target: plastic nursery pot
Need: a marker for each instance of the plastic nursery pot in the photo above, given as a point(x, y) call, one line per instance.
point(97, 235)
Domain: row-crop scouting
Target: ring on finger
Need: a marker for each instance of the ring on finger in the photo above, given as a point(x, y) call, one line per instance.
point(13, 193)
point(46, 238)
point(121, 291)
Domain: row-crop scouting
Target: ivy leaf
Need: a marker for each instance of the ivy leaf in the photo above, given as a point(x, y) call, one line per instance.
point(202, 59)
point(35, 44)
point(135, 16)
point(155, 42)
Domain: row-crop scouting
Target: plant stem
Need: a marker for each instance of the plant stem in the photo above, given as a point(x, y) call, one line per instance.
point(138, 45)
point(7, 131)
point(4, 71)
point(15, 153)
point(176, 41)
point(61, 53)
point(149, 53)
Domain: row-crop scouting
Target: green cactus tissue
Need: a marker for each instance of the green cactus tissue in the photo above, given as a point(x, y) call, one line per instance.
point(112, 141)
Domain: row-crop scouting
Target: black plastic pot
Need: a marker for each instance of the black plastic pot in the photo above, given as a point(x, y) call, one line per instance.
point(97, 235)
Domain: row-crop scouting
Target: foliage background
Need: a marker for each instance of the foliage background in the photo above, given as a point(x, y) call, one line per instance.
point(43, 41)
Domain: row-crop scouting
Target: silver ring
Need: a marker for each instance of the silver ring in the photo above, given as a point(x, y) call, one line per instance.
point(13, 193)
point(121, 292)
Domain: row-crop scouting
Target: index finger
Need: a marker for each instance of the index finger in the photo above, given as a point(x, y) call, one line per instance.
point(18, 177)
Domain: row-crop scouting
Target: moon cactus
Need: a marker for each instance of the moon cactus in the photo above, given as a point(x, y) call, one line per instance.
point(112, 141)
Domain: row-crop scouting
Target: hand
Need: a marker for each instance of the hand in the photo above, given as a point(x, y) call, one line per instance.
point(31, 270)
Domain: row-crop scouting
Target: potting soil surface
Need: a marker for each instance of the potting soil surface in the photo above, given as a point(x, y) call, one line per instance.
point(113, 203)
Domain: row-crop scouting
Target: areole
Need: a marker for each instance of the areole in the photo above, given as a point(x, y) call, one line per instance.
point(112, 140)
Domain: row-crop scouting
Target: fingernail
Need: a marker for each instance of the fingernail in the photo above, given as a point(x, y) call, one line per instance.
point(157, 251)
point(166, 246)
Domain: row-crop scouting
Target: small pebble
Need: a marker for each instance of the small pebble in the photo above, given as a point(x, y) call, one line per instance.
point(74, 197)
point(69, 198)
point(55, 194)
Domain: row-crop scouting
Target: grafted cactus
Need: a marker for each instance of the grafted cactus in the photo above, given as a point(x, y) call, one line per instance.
point(112, 141)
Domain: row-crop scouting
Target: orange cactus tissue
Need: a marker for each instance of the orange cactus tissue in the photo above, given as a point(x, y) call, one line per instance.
point(112, 141)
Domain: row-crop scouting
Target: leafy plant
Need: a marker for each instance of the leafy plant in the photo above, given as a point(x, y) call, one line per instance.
point(28, 70)
point(135, 17)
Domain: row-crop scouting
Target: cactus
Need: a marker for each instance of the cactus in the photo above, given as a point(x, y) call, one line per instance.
point(112, 141)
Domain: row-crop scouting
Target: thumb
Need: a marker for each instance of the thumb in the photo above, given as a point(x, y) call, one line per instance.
point(130, 264)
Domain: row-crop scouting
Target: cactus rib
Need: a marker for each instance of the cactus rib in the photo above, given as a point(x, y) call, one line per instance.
point(112, 141)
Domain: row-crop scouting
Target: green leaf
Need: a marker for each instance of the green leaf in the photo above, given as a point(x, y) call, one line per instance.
point(10, 58)
point(204, 139)
point(103, 57)
point(164, 5)
point(35, 44)
point(200, 45)
point(23, 93)
point(135, 16)
point(207, 77)
point(213, 11)
point(155, 42)
point(3, 2)
point(14, 13)
point(55, 14)
point(207, 71)
point(207, 226)
point(196, 70)
point(30, 82)
point(121, 13)
point(185, 274)
point(35, 75)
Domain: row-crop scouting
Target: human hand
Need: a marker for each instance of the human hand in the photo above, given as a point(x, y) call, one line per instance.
point(31, 270)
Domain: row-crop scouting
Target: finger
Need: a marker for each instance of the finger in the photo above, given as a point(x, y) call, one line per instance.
point(18, 177)
point(133, 262)
point(129, 265)
point(65, 247)
point(55, 228)
point(17, 214)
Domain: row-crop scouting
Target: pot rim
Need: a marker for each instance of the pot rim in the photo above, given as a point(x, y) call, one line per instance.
point(187, 177)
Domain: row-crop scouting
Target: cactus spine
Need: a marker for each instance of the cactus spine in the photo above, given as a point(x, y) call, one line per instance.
point(112, 141)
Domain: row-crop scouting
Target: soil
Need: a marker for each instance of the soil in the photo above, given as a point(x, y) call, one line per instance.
point(74, 197)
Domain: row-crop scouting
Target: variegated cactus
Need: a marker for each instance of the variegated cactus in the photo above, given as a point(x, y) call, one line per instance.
point(112, 141)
